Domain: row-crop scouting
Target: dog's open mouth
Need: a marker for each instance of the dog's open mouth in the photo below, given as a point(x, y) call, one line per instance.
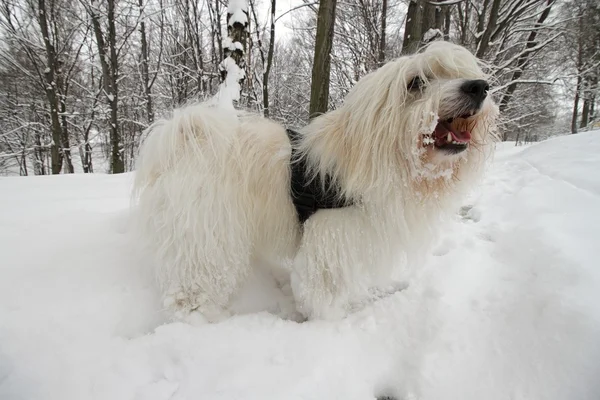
point(453, 134)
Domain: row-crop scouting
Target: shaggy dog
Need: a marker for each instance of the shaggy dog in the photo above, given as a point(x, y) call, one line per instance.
point(214, 199)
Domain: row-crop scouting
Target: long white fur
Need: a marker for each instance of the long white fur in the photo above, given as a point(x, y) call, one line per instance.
point(213, 196)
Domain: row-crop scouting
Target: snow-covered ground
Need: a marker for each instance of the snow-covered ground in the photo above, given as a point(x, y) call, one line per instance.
point(507, 306)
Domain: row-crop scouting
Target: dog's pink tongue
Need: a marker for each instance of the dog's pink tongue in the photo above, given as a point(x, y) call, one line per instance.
point(461, 137)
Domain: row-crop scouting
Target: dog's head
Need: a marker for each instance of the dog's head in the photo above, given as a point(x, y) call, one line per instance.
point(420, 117)
point(447, 100)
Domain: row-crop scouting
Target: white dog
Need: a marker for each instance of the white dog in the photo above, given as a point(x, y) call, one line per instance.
point(214, 186)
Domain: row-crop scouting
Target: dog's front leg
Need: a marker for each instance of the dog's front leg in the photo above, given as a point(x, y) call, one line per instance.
point(330, 266)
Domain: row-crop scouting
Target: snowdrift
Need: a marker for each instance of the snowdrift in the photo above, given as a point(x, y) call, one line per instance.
point(506, 307)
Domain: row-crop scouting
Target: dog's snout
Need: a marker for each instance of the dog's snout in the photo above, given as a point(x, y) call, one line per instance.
point(476, 89)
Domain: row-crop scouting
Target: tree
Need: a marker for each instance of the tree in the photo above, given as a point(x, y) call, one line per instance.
point(511, 36)
point(45, 52)
point(93, 75)
point(145, 50)
point(583, 47)
point(319, 91)
point(233, 65)
point(424, 23)
point(53, 85)
point(266, 60)
point(107, 54)
point(522, 61)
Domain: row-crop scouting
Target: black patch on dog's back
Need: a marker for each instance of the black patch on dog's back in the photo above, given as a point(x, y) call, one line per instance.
point(310, 194)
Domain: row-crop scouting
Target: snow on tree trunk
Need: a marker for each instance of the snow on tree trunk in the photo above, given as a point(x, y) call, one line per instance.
point(233, 66)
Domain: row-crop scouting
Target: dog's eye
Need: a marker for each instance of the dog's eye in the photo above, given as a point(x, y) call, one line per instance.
point(416, 83)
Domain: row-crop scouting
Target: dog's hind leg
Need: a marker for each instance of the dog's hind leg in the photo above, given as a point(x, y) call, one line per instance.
point(207, 281)
point(201, 243)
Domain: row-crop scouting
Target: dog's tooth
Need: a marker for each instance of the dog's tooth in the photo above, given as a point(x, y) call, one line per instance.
point(449, 138)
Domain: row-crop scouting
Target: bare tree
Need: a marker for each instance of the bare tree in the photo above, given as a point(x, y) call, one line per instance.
point(233, 66)
point(147, 84)
point(424, 22)
point(582, 46)
point(107, 54)
point(525, 55)
point(54, 82)
point(511, 35)
point(47, 57)
point(319, 91)
point(93, 75)
point(384, 7)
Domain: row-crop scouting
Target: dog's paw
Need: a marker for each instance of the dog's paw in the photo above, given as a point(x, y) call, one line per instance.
point(189, 309)
point(294, 316)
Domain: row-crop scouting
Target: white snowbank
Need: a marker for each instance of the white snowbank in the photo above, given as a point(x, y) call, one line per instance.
point(506, 307)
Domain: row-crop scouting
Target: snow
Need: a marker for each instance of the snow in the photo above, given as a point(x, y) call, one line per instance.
point(234, 5)
point(230, 88)
point(231, 45)
point(432, 34)
point(227, 43)
point(506, 306)
point(238, 46)
point(238, 9)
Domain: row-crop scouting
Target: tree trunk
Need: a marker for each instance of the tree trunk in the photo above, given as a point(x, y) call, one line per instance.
point(145, 69)
point(38, 151)
point(585, 112)
point(51, 91)
point(109, 64)
point(484, 40)
point(319, 90)
point(429, 18)
point(117, 164)
point(447, 22)
point(65, 142)
point(463, 20)
point(381, 58)
point(267, 72)
point(420, 18)
point(233, 66)
point(238, 33)
point(412, 27)
point(593, 108)
point(576, 106)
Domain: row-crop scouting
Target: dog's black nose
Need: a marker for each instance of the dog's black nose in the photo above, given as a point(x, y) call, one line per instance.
point(476, 89)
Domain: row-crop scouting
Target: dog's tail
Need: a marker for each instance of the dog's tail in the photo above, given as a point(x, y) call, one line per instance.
point(200, 129)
